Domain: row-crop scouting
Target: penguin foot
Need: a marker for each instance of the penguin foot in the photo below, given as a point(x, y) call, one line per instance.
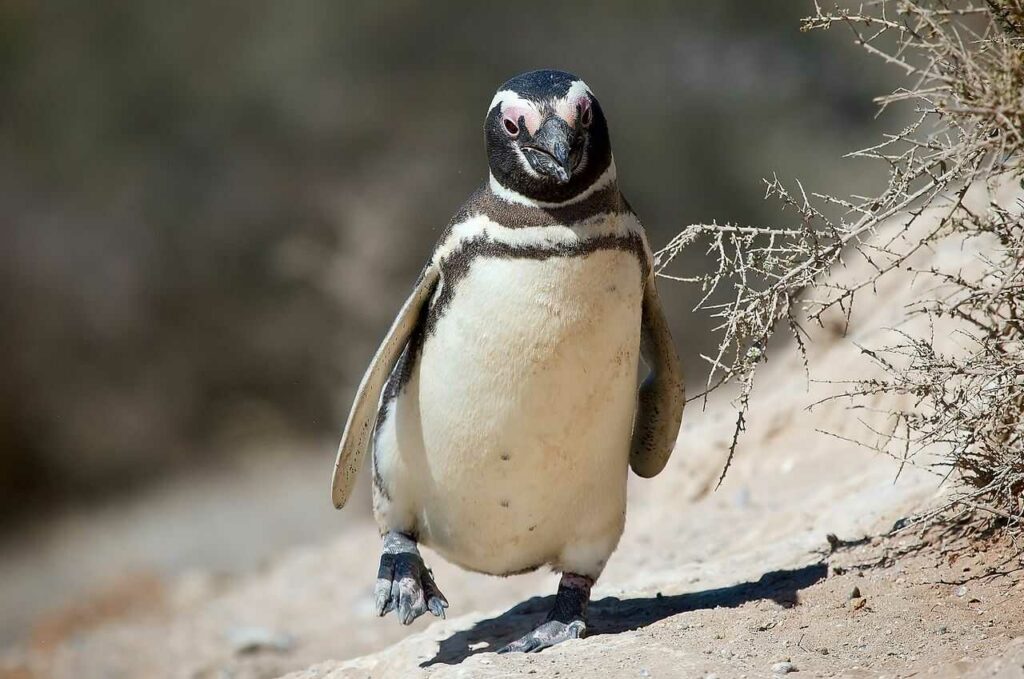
point(547, 635)
point(404, 583)
point(565, 621)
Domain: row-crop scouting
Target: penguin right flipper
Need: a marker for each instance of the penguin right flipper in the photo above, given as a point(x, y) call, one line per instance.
point(361, 419)
point(660, 402)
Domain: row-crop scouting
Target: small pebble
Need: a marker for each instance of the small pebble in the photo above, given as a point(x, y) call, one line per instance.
point(961, 590)
point(783, 668)
point(855, 594)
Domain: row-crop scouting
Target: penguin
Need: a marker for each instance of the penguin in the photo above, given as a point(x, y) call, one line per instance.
point(502, 407)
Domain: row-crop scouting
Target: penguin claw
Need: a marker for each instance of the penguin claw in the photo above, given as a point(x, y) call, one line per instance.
point(547, 635)
point(436, 602)
point(405, 585)
point(437, 606)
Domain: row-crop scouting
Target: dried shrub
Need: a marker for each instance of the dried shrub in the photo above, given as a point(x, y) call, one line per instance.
point(964, 62)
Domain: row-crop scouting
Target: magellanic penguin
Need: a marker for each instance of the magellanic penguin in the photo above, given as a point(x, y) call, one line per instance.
point(502, 405)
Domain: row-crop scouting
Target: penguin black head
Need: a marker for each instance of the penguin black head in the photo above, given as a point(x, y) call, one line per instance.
point(547, 138)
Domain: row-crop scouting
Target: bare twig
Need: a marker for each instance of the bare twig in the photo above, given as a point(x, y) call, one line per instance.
point(965, 64)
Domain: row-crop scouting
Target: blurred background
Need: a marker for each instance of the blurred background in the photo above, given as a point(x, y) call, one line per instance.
point(211, 212)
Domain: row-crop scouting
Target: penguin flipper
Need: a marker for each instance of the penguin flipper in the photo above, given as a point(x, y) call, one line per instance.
point(359, 427)
point(662, 396)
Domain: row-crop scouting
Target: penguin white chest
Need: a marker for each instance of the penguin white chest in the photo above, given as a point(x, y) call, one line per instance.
point(526, 393)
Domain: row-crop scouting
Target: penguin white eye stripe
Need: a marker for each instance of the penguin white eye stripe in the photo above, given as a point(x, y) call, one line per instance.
point(577, 90)
point(506, 98)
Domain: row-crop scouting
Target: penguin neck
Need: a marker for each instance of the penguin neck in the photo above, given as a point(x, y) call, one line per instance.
point(605, 180)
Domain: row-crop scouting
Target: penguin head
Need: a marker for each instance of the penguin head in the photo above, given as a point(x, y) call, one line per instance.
point(547, 138)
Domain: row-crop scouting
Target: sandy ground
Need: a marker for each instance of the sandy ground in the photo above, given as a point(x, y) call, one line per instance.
point(739, 581)
point(224, 519)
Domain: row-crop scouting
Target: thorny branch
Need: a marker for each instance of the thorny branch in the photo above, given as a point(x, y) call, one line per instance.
point(964, 61)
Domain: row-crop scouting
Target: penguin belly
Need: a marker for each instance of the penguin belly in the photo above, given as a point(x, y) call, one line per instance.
point(526, 393)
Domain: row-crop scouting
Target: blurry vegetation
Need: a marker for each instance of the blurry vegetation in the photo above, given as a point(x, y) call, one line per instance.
point(211, 211)
point(960, 372)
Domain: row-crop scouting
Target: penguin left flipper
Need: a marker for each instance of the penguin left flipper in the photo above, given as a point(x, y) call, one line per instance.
point(662, 396)
point(361, 419)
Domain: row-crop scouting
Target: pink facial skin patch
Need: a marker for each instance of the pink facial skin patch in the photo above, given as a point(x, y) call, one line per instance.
point(576, 102)
point(521, 113)
point(513, 108)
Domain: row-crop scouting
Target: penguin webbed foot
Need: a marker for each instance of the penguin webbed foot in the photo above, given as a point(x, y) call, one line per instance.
point(404, 583)
point(567, 619)
point(547, 635)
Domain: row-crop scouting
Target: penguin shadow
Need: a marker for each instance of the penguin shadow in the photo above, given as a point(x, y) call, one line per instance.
point(612, 615)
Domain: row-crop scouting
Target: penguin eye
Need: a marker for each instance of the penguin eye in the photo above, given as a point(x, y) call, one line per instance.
point(586, 114)
point(511, 127)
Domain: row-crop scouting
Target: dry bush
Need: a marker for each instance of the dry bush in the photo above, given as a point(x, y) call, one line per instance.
point(964, 62)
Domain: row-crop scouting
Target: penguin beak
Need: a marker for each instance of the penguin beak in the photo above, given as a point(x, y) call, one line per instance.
point(549, 150)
